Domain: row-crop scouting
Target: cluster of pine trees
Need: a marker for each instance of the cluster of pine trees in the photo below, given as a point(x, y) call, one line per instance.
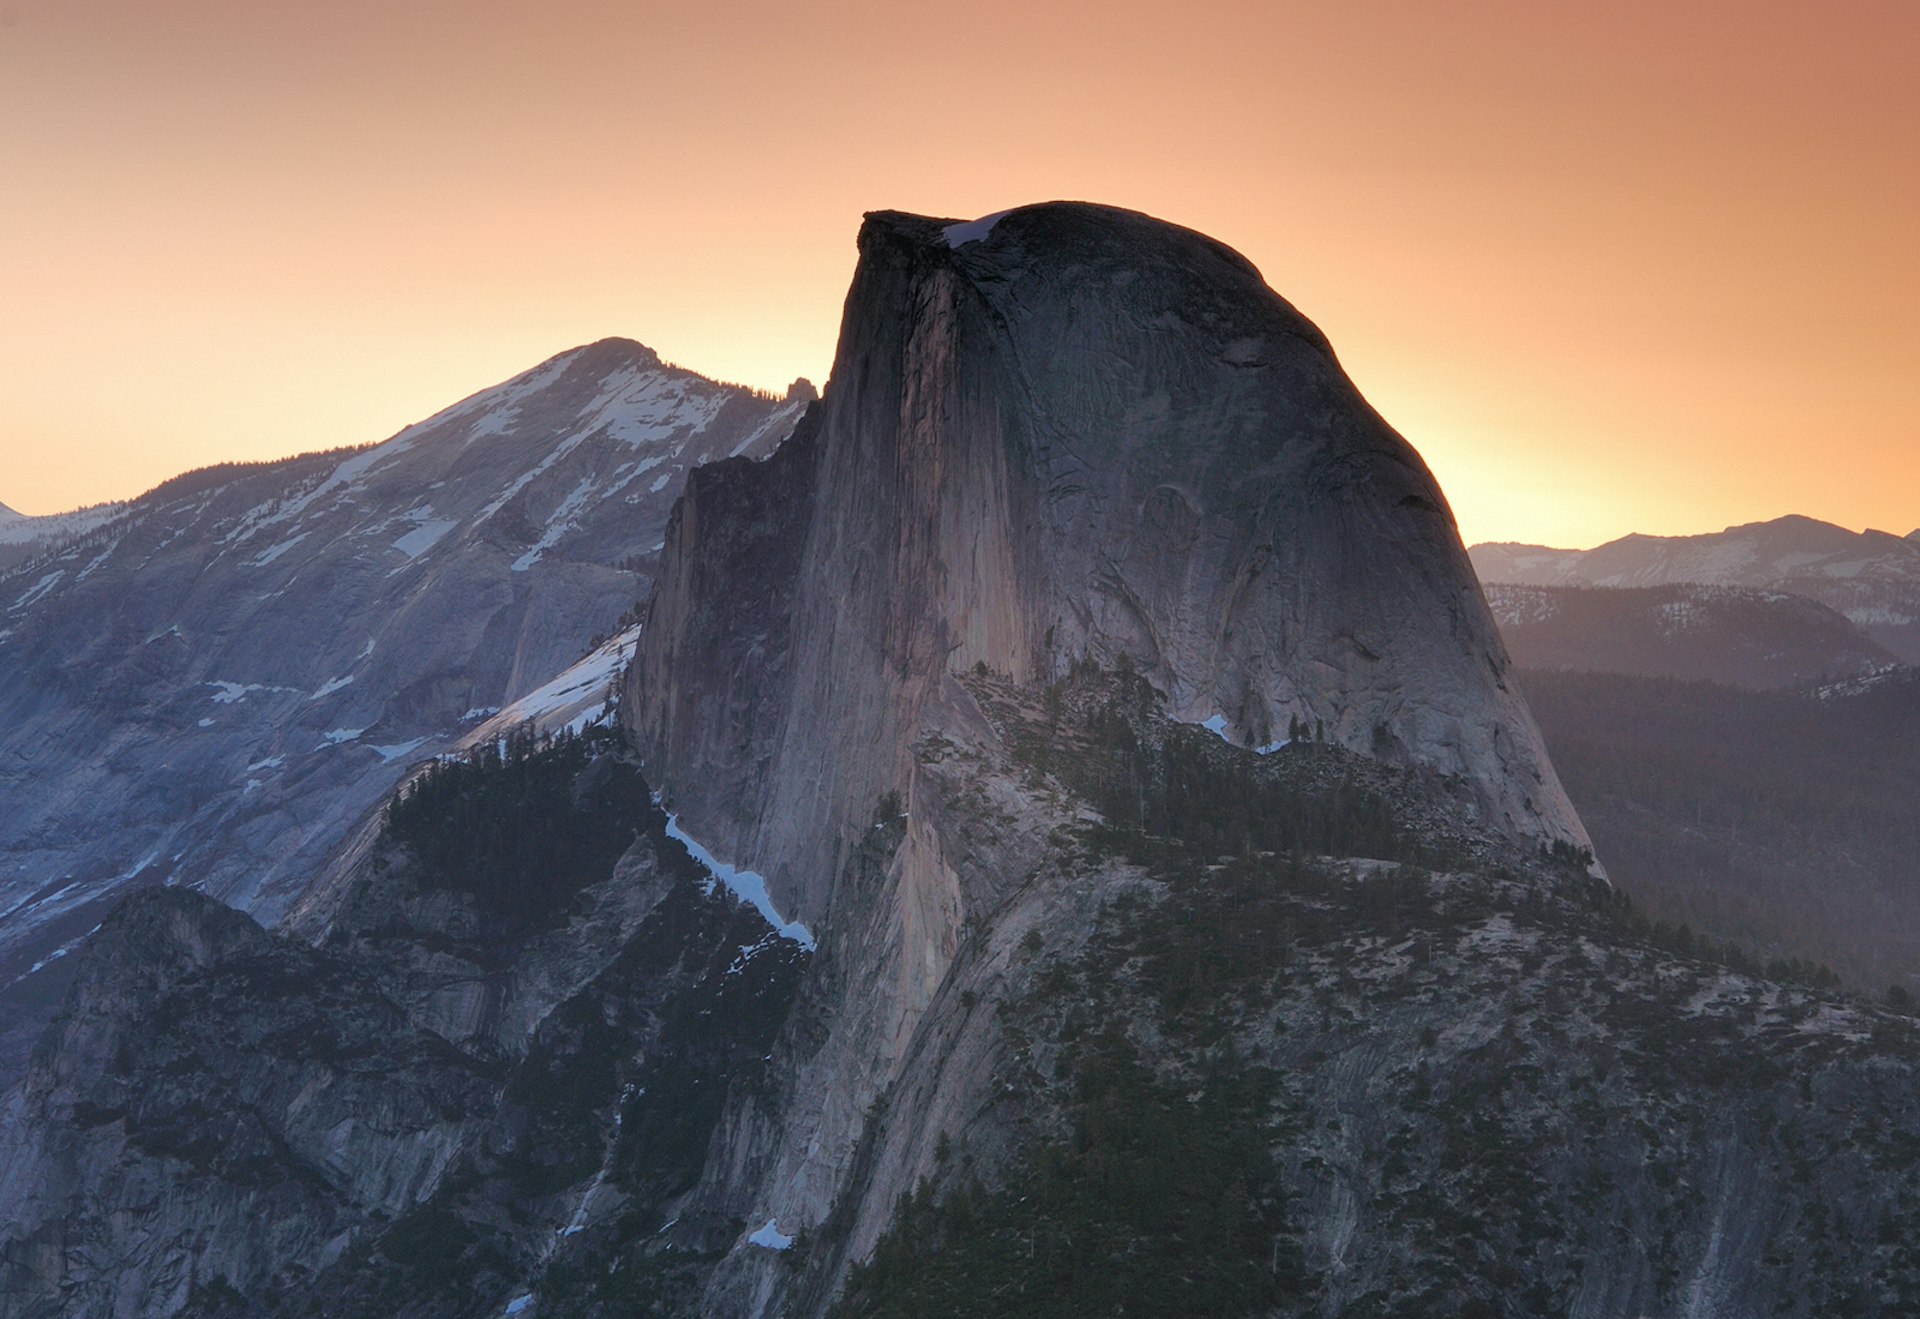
point(522, 824)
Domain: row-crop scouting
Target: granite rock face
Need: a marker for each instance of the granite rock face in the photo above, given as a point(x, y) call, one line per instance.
point(1071, 439)
point(1365, 1084)
point(214, 1104)
point(211, 685)
point(1072, 434)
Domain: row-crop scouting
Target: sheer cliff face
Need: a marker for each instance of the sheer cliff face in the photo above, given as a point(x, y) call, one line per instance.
point(1072, 433)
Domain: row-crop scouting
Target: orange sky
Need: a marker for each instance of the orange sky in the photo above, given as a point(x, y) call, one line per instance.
point(1620, 267)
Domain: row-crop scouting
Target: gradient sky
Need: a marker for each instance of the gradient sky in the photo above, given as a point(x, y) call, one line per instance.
point(1620, 267)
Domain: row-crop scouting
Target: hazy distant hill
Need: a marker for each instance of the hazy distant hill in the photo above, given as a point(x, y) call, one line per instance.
point(1872, 577)
point(1783, 819)
point(1727, 634)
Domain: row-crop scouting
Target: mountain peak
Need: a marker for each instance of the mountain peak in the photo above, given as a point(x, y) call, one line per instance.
point(1099, 250)
point(8, 515)
point(614, 351)
point(1047, 228)
point(1794, 523)
point(1068, 435)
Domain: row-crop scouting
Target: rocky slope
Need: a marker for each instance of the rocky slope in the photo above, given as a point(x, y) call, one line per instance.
point(1872, 577)
point(1195, 1059)
point(211, 685)
point(221, 1115)
point(1733, 635)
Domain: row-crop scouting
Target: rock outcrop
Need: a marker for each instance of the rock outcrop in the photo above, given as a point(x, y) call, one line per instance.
point(1068, 439)
point(225, 1120)
point(1067, 434)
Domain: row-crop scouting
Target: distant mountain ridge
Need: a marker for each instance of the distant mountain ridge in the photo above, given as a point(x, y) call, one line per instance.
point(24, 537)
point(1728, 634)
point(1735, 725)
point(1873, 577)
point(1779, 818)
point(209, 686)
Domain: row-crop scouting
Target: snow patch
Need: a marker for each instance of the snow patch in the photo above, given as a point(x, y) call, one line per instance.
point(330, 686)
point(424, 536)
point(231, 692)
point(972, 231)
point(52, 957)
point(575, 700)
point(394, 751)
point(98, 559)
point(266, 557)
point(501, 404)
point(38, 589)
point(1217, 725)
point(646, 407)
point(341, 735)
point(771, 1237)
point(778, 424)
point(743, 884)
point(562, 521)
point(519, 1304)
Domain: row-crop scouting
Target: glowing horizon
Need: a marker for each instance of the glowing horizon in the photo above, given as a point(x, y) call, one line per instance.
point(1632, 270)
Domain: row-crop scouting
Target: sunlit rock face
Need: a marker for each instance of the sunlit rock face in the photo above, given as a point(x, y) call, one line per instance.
point(1067, 438)
point(1068, 433)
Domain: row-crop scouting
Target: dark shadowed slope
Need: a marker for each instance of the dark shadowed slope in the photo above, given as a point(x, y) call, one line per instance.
point(1735, 635)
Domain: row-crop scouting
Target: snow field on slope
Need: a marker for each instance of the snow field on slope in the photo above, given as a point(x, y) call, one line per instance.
point(746, 885)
